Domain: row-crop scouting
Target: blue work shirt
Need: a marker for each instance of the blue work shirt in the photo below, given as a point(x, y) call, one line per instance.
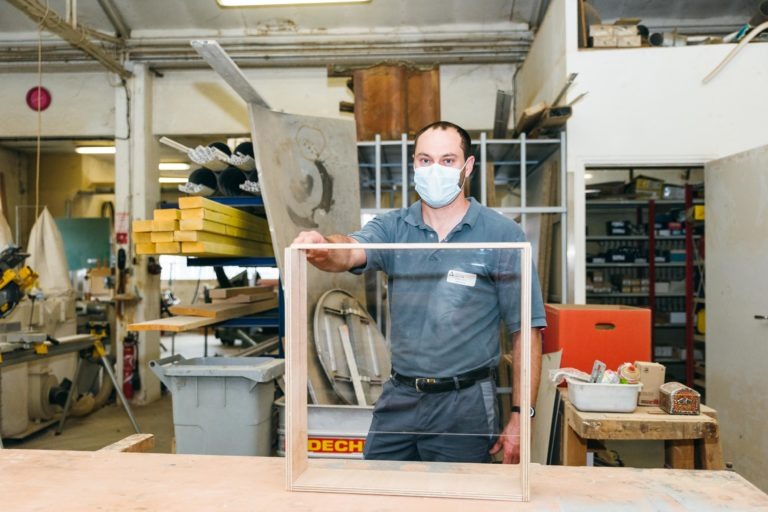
point(446, 305)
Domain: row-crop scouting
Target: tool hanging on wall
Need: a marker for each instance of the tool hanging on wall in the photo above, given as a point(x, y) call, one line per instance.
point(352, 351)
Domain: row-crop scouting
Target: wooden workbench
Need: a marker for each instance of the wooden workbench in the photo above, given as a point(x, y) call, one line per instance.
point(37, 480)
point(683, 436)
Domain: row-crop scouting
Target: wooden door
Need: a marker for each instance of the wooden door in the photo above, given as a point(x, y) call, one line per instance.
point(736, 307)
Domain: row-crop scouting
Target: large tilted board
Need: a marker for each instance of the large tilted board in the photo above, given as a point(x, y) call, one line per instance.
point(309, 180)
point(475, 481)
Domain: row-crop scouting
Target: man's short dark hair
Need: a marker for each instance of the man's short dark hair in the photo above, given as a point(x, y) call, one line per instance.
point(466, 141)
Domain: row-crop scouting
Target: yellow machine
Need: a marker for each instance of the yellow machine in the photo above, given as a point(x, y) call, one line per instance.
point(14, 283)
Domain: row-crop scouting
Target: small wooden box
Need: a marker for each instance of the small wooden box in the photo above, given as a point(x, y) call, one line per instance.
point(677, 398)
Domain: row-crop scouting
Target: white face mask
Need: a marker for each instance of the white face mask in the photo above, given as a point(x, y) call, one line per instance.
point(437, 185)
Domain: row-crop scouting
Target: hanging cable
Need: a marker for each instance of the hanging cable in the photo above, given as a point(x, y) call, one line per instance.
point(39, 109)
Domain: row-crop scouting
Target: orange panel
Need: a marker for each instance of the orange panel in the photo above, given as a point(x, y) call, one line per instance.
point(612, 334)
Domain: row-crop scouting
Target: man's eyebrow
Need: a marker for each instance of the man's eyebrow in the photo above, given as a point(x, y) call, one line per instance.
point(421, 153)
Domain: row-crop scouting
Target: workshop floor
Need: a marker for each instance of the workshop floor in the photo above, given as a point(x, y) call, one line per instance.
point(110, 423)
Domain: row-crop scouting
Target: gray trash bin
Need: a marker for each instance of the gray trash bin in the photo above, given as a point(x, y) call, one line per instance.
point(221, 405)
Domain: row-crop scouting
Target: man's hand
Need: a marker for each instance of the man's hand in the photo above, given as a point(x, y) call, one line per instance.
point(327, 260)
point(317, 257)
point(509, 441)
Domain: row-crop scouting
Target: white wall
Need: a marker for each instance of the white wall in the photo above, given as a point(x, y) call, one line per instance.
point(83, 104)
point(198, 102)
point(468, 93)
point(649, 104)
point(543, 74)
point(644, 106)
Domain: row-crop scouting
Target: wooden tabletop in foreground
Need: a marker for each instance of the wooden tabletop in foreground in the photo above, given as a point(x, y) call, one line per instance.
point(45, 480)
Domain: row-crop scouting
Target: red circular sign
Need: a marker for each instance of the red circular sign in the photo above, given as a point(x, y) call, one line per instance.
point(38, 98)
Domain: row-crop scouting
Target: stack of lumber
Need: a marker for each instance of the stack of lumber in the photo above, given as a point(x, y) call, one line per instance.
point(201, 227)
point(228, 303)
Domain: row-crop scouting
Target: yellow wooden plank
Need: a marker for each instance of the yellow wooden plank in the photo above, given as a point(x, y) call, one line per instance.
point(162, 236)
point(223, 229)
point(238, 222)
point(165, 225)
point(168, 248)
point(142, 226)
point(203, 236)
point(192, 202)
point(142, 237)
point(146, 248)
point(167, 214)
point(213, 248)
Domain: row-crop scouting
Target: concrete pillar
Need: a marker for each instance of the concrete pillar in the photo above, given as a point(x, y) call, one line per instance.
point(137, 193)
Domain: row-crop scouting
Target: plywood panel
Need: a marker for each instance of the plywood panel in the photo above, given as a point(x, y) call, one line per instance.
point(64, 481)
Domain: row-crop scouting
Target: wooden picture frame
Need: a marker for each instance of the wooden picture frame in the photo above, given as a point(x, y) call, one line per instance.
point(438, 479)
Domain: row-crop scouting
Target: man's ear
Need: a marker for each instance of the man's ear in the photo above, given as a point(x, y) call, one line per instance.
point(469, 166)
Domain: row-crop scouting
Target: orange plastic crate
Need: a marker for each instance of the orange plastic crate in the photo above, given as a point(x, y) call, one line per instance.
point(612, 334)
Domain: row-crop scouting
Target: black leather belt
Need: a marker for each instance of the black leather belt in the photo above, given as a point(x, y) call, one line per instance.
point(443, 384)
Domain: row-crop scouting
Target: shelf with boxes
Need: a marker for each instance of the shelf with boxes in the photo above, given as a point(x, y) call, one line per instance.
point(638, 254)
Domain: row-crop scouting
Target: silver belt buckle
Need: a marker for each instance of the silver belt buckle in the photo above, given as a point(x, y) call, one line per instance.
point(423, 380)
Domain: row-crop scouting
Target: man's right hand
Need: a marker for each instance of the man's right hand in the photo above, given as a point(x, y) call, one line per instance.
point(317, 257)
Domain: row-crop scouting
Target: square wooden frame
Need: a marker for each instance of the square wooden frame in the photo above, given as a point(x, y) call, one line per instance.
point(439, 479)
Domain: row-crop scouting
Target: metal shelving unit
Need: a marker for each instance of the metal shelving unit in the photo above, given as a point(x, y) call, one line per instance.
point(386, 171)
point(272, 318)
point(640, 211)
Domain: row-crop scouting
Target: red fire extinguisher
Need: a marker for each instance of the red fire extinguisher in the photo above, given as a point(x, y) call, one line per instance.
point(130, 355)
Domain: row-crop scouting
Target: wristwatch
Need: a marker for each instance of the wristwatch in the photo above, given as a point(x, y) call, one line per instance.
point(516, 408)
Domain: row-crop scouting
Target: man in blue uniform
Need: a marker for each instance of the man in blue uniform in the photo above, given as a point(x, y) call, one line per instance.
point(446, 308)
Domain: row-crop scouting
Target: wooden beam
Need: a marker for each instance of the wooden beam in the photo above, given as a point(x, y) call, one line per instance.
point(44, 16)
point(136, 443)
point(165, 225)
point(141, 226)
point(188, 323)
point(224, 229)
point(202, 236)
point(166, 214)
point(213, 248)
point(222, 310)
point(193, 202)
point(225, 293)
point(146, 248)
point(162, 237)
point(142, 237)
point(168, 247)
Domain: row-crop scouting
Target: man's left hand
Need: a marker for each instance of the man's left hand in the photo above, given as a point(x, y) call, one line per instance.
point(509, 441)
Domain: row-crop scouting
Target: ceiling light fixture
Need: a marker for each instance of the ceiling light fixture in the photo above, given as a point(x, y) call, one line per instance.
point(166, 179)
point(95, 150)
point(278, 3)
point(173, 166)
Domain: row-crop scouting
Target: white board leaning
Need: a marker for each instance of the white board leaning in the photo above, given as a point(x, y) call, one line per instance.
point(438, 479)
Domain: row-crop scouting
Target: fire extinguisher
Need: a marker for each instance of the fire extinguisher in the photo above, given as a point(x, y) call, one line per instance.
point(130, 356)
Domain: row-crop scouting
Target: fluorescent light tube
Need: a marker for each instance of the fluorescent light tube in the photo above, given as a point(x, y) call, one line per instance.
point(173, 166)
point(95, 150)
point(165, 179)
point(277, 3)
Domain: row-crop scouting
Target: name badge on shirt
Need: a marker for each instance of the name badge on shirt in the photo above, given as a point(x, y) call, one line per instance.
point(462, 278)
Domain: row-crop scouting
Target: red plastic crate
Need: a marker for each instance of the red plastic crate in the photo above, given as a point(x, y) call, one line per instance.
point(612, 334)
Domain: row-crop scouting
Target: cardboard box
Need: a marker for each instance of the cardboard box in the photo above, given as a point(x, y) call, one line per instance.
point(613, 334)
point(651, 377)
point(677, 398)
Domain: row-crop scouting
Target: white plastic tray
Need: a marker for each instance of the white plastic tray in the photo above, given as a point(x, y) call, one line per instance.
point(592, 397)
